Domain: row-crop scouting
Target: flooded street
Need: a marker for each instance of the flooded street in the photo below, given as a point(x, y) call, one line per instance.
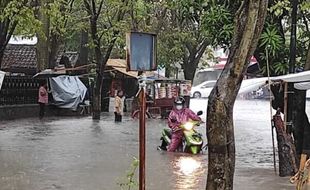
point(81, 154)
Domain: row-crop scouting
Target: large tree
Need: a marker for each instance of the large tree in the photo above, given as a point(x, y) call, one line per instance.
point(191, 27)
point(105, 23)
point(54, 16)
point(249, 22)
point(43, 35)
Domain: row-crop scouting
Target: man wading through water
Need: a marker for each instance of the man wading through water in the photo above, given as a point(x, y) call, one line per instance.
point(119, 106)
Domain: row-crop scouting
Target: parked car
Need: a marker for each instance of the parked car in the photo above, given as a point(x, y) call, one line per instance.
point(203, 89)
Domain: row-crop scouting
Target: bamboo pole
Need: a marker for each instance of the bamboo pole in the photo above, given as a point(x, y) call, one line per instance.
point(285, 106)
point(142, 135)
point(271, 118)
point(303, 160)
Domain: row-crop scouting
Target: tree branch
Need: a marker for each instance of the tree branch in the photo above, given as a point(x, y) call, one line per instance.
point(87, 6)
point(93, 4)
point(305, 21)
point(161, 20)
point(201, 49)
point(189, 47)
point(99, 9)
point(7, 35)
point(1, 27)
point(70, 9)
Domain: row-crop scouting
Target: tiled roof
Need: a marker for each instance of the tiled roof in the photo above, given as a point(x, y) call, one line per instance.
point(23, 58)
point(19, 57)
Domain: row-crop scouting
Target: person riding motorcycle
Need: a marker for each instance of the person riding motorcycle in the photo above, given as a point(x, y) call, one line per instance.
point(179, 115)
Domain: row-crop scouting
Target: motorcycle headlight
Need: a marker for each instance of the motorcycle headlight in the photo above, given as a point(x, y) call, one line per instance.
point(188, 126)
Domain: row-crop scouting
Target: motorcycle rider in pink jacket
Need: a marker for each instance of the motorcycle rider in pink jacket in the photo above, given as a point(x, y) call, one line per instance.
point(179, 115)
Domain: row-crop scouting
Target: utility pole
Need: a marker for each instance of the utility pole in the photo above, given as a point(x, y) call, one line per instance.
point(292, 66)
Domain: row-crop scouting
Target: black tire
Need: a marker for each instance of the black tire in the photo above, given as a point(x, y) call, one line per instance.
point(163, 145)
point(197, 95)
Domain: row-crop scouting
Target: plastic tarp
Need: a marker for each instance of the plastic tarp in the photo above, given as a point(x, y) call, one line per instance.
point(302, 85)
point(249, 85)
point(67, 91)
point(296, 77)
point(301, 80)
point(2, 74)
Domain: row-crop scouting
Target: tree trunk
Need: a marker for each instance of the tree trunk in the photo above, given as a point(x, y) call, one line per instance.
point(249, 22)
point(301, 125)
point(1, 57)
point(101, 60)
point(97, 87)
point(191, 62)
point(53, 50)
point(96, 103)
point(43, 41)
point(190, 69)
point(83, 59)
point(307, 65)
point(287, 153)
point(305, 125)
point(6, 30)
point(286, 148)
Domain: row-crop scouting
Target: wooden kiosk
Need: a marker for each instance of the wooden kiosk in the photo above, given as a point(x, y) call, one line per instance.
point(160, 95)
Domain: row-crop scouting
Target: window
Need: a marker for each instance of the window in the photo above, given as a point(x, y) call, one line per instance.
point(209, 84)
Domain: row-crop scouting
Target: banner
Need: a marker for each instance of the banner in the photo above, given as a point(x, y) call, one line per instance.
point(2, 74)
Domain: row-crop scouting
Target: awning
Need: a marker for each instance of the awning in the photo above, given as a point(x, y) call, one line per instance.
point(250, 85)
point(120, 65)
point(296, 77)
point(301, 80)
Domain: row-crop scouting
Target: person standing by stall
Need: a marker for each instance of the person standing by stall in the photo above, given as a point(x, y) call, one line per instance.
point(43, 99)
point(119, 106)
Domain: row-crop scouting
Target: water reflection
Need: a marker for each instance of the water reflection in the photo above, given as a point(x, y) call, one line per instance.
point(188, 165)
point(189, 171)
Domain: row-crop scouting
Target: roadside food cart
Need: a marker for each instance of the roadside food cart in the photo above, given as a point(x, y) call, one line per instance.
point(160, 95)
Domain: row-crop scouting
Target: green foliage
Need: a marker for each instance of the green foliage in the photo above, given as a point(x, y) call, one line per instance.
point(281, 68)
point(218, 24)
point(276, 37)
point(111, 26)
point(190, 24)
point(130, 181)
point(305, 6)
point(271, 39)
point(59, 13)
point(22, 13)
point(279, 7)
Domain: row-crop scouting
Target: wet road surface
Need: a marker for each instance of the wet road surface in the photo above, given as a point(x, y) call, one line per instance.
point(78, 153)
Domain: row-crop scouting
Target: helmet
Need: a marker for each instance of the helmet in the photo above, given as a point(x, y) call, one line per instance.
point(179, 100)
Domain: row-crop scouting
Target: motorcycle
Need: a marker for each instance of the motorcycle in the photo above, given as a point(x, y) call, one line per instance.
point(192, 140)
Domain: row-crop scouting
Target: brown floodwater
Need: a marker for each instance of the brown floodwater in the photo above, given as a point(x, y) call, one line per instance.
point(77, 153)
